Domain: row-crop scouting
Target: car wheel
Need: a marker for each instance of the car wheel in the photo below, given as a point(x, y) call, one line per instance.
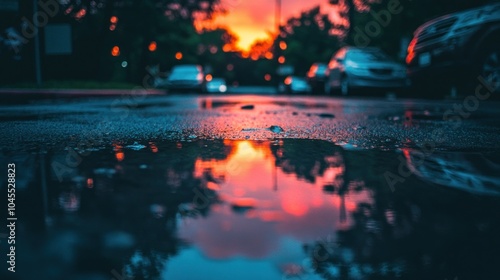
point(328, 88)
point(202, 90)
point(344, 86)
point(317, 88)
point(489, 67)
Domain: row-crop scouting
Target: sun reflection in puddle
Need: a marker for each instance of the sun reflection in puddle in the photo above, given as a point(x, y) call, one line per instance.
point(264, 201)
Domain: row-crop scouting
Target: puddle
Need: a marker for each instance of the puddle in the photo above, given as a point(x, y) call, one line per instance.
point(210, 103)
point(284, 209)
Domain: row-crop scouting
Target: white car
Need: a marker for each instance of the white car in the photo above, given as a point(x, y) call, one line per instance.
point(355, 68)
point(295, 84)
point(187, 77)
point(217, 85)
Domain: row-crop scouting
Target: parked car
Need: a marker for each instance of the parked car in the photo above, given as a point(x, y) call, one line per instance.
point(316, 77)
point(454, 49)
point(217, 85)
point(187, 77)
point(354, 68)
point(295, 84)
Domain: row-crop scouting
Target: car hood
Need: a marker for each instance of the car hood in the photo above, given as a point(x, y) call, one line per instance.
point(378, 65)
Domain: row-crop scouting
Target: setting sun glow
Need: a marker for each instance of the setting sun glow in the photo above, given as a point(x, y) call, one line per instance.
point(255, 20)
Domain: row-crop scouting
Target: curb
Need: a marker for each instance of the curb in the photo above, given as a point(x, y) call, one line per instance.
point(47, 93)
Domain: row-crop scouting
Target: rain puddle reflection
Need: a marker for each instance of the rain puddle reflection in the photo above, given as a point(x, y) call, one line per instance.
point(284, 209)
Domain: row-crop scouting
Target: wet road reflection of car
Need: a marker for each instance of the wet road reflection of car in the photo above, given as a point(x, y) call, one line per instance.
point(471, 172)
point(222, 209)
point(355, 68)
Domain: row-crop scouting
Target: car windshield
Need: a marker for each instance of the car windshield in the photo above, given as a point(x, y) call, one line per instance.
point(185, 70)
point(298, 80)
point(321, 68)
point(367, 56)
point(217, 82)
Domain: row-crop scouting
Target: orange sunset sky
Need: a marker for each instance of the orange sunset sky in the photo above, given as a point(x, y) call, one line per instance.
point(254, 19)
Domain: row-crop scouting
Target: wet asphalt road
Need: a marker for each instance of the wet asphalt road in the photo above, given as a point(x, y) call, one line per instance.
point(354, 122)
point(166, 187)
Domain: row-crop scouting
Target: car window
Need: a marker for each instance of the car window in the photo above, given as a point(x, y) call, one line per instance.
point(298, 79)
point(185, 69)
point(321, 68)
point(367, 56)
point(217, 82)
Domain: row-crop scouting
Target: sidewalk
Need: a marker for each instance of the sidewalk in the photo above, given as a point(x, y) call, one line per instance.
point(48, 93)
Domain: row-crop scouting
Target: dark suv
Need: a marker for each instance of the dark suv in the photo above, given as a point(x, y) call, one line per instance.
point(455, 50)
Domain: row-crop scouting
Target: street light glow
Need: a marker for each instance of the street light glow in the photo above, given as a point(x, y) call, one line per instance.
point(178, 56)
point(283, 45)
point(152, 46)
point(115, 51)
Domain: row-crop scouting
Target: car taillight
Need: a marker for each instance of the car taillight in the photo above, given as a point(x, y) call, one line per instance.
point(312, 71)
point(411, 51)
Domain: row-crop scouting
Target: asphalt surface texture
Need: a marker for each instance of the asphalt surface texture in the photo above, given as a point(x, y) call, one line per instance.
point(466, 124)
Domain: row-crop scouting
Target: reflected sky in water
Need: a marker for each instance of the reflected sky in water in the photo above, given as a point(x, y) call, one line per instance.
point(281, 209)
point(266, 211)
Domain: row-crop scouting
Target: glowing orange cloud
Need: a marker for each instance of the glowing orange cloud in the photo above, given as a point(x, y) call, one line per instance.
point(255, 20)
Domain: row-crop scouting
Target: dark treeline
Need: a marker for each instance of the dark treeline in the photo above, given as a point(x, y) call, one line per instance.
point(118, 41)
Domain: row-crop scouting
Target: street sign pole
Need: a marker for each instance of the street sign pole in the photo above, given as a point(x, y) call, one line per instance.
point(38, 67)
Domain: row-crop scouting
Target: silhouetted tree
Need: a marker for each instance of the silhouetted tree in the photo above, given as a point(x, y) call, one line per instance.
point(146, 32)
point(308, 39)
